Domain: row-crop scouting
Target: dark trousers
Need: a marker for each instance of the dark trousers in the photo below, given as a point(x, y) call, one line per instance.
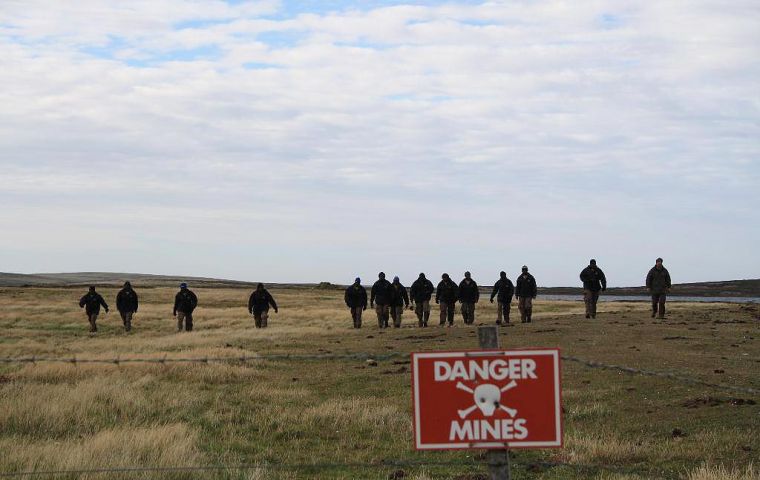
point(92, 318)
point(261, 318)
point(187, 319)
point(422, 310)
point(447, 312)
point(468, 313)
point(383, 312)
point(658, 305)
point(356, 315)
point(397, 311)
point(502, 311)
point(126, 318)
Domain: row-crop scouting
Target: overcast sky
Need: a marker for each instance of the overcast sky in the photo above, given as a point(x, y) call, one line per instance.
point(306, 141)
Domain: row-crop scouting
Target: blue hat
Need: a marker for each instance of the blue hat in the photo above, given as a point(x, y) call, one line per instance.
point(183, 285)
point(357, 280)
point(395, 279)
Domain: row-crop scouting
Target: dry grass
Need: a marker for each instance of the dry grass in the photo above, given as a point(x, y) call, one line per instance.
point(709, 472)
point(601, 448)
point(157, 445)
point(60, 416)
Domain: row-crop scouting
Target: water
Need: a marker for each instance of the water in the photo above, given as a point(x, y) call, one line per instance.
point(645, 298)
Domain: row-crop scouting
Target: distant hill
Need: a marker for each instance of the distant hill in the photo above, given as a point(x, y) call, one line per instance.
point(106, 278)
point(729, 288)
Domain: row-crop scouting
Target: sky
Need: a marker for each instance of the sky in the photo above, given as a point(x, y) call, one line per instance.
point(308, 141)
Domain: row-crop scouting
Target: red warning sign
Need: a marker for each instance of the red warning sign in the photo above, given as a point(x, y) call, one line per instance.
point(487, 399)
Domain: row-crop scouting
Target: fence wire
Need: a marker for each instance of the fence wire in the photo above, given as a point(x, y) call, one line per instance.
point(226, 359)
point(537, 466)
point(678, 377)
point(669, 375)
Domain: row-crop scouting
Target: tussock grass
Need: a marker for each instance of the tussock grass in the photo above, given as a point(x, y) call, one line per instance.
point(601, 448)
point(157, 445)
point(365, 413)
point(719, 472)
point(589, 411)
point(54, 410)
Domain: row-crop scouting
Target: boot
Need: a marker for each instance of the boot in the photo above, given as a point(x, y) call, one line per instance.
point(426, 318)
point(179, 325)
point(128, 326)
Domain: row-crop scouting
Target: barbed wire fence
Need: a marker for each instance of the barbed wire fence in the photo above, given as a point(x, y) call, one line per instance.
point(165, 360)
point(536, 467)
point(242, 359)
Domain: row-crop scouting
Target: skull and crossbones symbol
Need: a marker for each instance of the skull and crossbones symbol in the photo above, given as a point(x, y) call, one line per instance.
point(487, 398)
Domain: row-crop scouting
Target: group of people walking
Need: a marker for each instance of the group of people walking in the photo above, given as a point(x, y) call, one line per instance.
point(185, 302)
point(390, 299)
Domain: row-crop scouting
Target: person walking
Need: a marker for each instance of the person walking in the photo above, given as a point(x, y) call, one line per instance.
point(525, 291)
point(126, 304)
point(258, 305)
point(447, 294)
point(381, 294)
point(399, 301)
point(420, 293)
point(503, 290)
point(593, 281)
point(91, 302)
point(356, 300)
point(658, 284)
point(184, 303)
point(469, 294)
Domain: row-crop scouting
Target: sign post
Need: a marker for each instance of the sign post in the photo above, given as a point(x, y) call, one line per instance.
point(498, 460)
point(490, 399)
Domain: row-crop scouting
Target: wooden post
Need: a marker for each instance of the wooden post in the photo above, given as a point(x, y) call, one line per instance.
point(498, 460)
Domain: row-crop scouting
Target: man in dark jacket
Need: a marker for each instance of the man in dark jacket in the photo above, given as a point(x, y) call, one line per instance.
point(525, 291)
point(356, 300)
point(421, 291)
point(447, 294)
point(381, 294)
point(126, 304)
point(91, 303)
point(593, 281)
point(399, 301)
point(258, 305)
point(658, 284)
point(503, 290)
point(184, 303)
point(469, 294)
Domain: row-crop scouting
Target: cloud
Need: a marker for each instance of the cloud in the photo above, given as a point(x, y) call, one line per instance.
point(381, 126)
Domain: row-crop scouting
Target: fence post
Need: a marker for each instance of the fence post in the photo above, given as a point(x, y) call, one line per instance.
point(498, 460)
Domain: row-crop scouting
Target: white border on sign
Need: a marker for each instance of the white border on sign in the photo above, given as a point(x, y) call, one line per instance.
point(518, 444)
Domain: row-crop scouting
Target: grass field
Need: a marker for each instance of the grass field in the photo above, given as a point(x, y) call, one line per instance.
point(56, 416)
